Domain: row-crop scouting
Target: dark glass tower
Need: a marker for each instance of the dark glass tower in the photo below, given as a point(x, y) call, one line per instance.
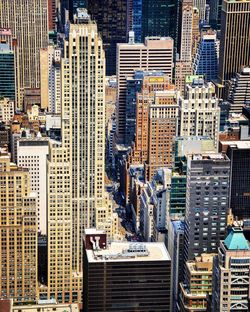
point(160, 18)
point(111, 17)
point(7, 72)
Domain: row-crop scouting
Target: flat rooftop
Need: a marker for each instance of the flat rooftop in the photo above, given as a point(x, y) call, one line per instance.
point(238, 144)
point(129, 252)
point(208, 156)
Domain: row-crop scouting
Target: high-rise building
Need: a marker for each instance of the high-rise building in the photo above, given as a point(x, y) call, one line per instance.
point(183, 146)
point(110, 17)
point(7, 110)
point(215, 14)
point(50, 65)
point(206, 58)
point(7, 72)
point(175, 248)
point(207, 203)
point(162, 128)
point(32, 154)
point(76, 196)
point(199, 110)
point(18, 233)
point(155, 54)
point(189, 30)
point(231, 271)
point(52, 11)
point(134, 18)
point(74, 5)
point(197, 284)
point(239, 154)
point(235, 38)
point(239, 91)
point(125, 276)
point(29, 25)
point(182, 69)
point(160, 18)
point(201, 6)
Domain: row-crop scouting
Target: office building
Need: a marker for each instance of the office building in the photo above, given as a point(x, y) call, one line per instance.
point(29, 25)
point(238, 153)
point(206, 58)
point(7, 72)
point(215, 14)
point(76, 196)
point(7, 109)
point(189, 30)
point(134, 18)
point(199, 110)
point(50, 64)
point(175, 244)
point(239, 91)
point(143, 271)
point(231, 283)
point(197, 284)
point(18, 233)
point(134, 86)
point(154, 202)
point(201, 6)
point(162, 129)
point(183, 146)
point(182, 69)
point(207, 203)
point(235, 40)
point(160, 18)
point(110, 17)
point(52, 14)
point(156, 54)
point(74, 5)
point(32, 154)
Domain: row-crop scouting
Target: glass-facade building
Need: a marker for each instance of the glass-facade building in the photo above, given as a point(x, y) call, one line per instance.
point(7, 72)
point(160, 18)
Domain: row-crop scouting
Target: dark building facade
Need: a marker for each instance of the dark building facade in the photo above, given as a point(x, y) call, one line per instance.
point(160, 18)
point(239, 154)
point(74, 5)
point(207, 203)
point(7, 72)
point(110, 17)
point(126, 277)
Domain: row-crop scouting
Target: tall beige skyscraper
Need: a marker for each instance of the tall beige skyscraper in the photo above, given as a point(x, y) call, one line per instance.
point(28, 21)
point(18, 233)
point(76, 196)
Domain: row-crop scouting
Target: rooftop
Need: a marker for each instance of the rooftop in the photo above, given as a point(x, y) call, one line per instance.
point(238, 144)
point(236, 240)
point(129, 252)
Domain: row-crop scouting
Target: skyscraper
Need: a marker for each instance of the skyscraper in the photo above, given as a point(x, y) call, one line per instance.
point(206, 57)
point(125, 276)
point(189, 30)
point(207, 203)
point(155, 54)
point(239, 154)
point(32, 154)
point(199, 111)
point(76, 168)
point(235, 38)
point(134, 18)
point(29, 25)
point(231, 283)
point(18, 233)
point(7, 72)
point(239, 91)
point(160, 18)
point(110, 17)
